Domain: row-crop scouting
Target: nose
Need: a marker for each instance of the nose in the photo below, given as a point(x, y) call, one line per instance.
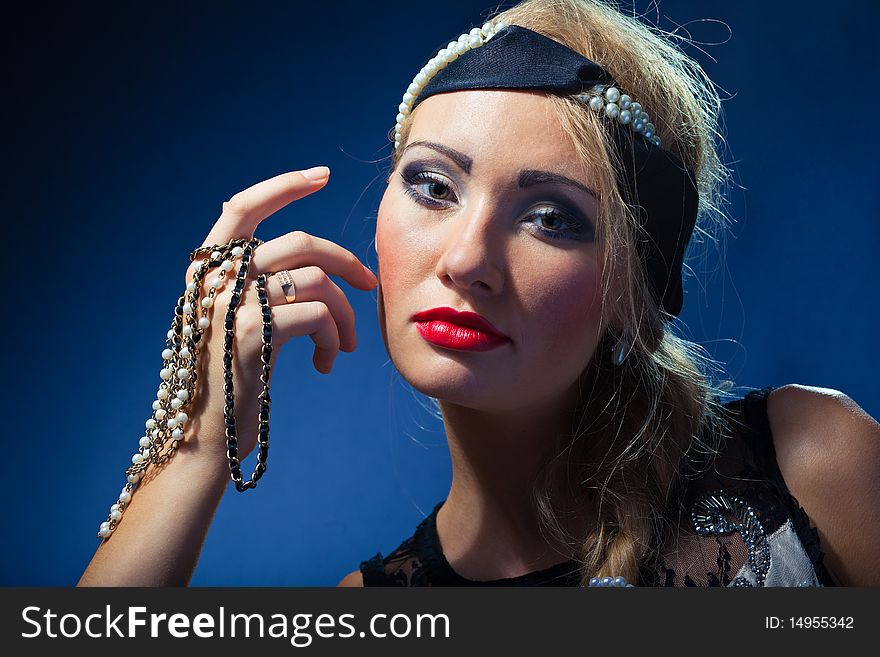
point(472, 250)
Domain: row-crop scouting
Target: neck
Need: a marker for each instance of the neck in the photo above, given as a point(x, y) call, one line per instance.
point(488, 526)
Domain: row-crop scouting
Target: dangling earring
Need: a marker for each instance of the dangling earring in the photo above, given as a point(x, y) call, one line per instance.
point(621, 349)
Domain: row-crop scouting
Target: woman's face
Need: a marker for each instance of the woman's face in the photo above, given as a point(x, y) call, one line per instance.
point(485, 229)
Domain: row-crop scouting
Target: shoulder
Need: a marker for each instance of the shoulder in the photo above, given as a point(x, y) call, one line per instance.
point(828, 451)
point(354, 578)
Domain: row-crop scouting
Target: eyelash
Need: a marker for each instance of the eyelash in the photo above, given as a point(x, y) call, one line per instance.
point(423, 177)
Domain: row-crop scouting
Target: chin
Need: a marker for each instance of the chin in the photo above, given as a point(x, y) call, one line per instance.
point(457, 377)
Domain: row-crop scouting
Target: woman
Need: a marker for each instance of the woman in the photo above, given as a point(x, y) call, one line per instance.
point(586, 440)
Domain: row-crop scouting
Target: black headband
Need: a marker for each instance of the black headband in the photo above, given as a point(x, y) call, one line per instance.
point(655, 183)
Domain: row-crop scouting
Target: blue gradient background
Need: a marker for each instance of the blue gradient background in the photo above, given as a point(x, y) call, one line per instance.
point(132, 124)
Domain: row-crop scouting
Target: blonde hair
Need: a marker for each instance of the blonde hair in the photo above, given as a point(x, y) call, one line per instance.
point(635, 424)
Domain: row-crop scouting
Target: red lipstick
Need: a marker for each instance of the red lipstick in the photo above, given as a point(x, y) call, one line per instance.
point(450, 328)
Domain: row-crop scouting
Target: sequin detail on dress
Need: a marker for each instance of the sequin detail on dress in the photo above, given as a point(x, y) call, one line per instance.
point(719, 512)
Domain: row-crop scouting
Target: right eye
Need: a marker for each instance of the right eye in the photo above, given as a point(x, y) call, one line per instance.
point(436, 188)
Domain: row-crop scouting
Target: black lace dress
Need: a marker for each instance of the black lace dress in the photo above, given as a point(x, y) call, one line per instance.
point(739, 526)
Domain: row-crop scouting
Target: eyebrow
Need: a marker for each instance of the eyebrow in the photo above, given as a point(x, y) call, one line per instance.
point(527, 177)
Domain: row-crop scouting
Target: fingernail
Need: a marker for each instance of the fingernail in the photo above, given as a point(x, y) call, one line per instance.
point(316, 174)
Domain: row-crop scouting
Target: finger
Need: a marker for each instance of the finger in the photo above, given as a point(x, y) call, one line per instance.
point(300, 249)
point(244, 211)
point(313, 284)
point(312, 318)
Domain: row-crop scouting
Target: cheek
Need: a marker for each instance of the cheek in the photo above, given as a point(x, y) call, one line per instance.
point(566, 312)
point(400, 251)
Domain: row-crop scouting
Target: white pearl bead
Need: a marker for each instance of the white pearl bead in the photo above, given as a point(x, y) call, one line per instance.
point(176, 403)
point(625, 102)
point(182, 395)
point(187, 308)
point(204, 322)
point(187, 331)
point(216, 282)
point(184, 353)
point(124, 497)
point(167, 354)
point(162, 393)
point(413, 89)
point(420, 80)
point(596, 103)
point(431, 67)
point(201, 265)
point(156, 405)
point(164, 373)
point(171, 423)
point(216, 255)
point(150, 423)
point(160, 413)
point(136, 458)
point(612, 94)
point(191, 287)
point(475, 39)
point(114, 507)
point(226, 265)
point(105, 525)
point(207, 302)
point(144, 442)
point(612, 110)
point(155, 434)
point(463, 39)
point(625, 117)
point(177, 434)
point(400, 119)
point(134, 477)
point(116, 515)
point(170, 334)
point(105, 533)
point(146, 454)
point(182, 373)
point(181, 417)
point(403, 108)
point(237, 251)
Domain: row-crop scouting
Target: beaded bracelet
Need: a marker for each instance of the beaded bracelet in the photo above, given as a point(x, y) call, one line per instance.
point(165, 428)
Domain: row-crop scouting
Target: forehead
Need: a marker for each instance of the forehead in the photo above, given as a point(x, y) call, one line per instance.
point(514, 128)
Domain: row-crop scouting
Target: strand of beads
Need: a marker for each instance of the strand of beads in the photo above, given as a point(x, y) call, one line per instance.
point(610, 581)
point(165, 427)
point(621, 107)
point(467, 41)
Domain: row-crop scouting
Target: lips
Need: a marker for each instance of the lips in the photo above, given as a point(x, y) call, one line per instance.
point(462, 331)
point(459, 318)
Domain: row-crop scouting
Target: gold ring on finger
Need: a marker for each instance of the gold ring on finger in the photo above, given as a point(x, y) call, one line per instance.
point(285, 277)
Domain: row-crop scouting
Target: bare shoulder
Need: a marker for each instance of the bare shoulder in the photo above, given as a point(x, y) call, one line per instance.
point(354, 578)
point(828, 451)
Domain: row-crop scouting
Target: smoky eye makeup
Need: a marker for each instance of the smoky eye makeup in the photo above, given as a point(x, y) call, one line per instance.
point(553, 214)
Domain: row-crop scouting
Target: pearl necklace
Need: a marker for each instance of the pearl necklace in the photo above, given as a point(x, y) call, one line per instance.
point(165, 428)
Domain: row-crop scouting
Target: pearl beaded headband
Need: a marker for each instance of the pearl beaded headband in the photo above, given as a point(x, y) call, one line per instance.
point(659, 188)
point(601, 98)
